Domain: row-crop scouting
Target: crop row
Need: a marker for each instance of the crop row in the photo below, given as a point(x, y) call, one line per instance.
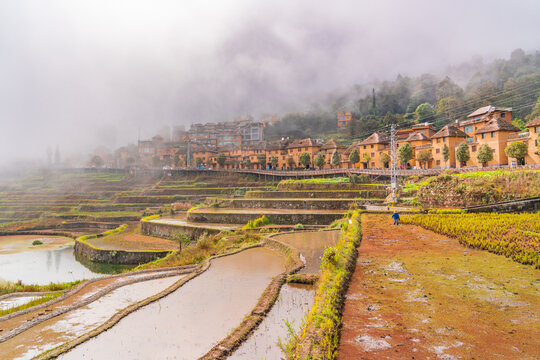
point(516, 236)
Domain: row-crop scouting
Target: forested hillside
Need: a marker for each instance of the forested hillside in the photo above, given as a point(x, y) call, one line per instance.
point(513, 82)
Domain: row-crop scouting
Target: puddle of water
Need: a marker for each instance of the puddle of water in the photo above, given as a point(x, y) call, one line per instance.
point(292, 305)
point(311, 246)
point(73, 324)
point(188, 322)
point(16, 301)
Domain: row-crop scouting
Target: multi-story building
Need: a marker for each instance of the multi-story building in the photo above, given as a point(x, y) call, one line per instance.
point(343, 119)
point(242, 131)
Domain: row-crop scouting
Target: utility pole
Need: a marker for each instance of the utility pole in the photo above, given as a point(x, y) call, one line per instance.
point(394, 171)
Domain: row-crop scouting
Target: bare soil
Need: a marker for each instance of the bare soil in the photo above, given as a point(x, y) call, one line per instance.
point(419, 295)
point(132, 239)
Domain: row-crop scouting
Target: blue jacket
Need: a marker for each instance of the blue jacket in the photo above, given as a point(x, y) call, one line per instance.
point(395, 216)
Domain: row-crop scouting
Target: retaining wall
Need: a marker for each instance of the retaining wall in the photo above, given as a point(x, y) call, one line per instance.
point(297, 204)
point(120, 257)
point(169, 231)
point(515, 206)
point(279, 219)
point(329, 194)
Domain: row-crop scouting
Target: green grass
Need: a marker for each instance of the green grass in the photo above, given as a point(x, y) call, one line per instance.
point(319, 336)
point(493, 173)
point(7, 287)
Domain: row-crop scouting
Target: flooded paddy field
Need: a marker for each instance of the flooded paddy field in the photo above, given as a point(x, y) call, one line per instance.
point(292, 305)
point(188, 322)
point(182, 220)
point(13, 302)
point(53, 261)
point(75, 323)
point(311, 245)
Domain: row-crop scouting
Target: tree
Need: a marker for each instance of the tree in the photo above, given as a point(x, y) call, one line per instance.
point(519, 124)
point(57, 156)
point(385, 159)
point(156, 162)
point(366, 159)
point(354, 156)
point(485, 154)
point(448, 109)
point(535, 111)
point(305, 159)
point(425, 156)
point(221, 159)
point(290, 162)
point(319, 160)
point(336, 159)
point(405, 153)
point(262, 160)
point(96, 161)
point(247, 162)
point(462, 154)
point(424, 112)
point(274, 162)
point(198, 162)
point(517, 150)
point(445, 153)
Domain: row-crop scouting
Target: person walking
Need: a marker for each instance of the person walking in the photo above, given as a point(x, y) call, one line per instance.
point(395, 216)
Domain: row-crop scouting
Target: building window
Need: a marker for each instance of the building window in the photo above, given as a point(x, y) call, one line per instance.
point(503, 114)
point(473, 148)
point(437, 151)
point(438, 140)
point(468, 129)
point(493, 134)
point(537, 129)
point(372, 146)
point(438, 162)
point(365, 147)
point(444, 139)
point(372, 163)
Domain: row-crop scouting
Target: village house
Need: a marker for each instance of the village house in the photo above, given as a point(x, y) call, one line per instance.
point(371, 150)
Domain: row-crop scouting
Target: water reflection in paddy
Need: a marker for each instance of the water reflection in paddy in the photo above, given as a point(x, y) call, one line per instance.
point(292, 305)
point(311, 245)
point(188, 322)
point(54, 261)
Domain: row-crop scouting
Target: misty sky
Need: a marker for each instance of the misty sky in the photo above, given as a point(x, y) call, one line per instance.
point(79, 74)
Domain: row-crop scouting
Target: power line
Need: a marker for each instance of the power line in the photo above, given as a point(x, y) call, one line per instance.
point(461, 106)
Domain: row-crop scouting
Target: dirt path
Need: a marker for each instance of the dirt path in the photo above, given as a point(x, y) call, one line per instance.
point(419, 295)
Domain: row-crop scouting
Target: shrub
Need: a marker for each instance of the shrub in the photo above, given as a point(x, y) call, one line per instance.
point(37, 242)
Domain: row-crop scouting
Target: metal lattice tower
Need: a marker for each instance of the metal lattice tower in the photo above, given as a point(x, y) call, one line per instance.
point(394, 171)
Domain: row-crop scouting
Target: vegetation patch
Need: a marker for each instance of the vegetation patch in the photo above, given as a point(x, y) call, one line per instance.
point(516, 236)
point(468, 189)
point(7, 287)
point(319, 336)
point(206, 247)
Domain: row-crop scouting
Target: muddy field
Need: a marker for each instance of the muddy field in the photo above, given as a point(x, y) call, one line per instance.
point(419, 295)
